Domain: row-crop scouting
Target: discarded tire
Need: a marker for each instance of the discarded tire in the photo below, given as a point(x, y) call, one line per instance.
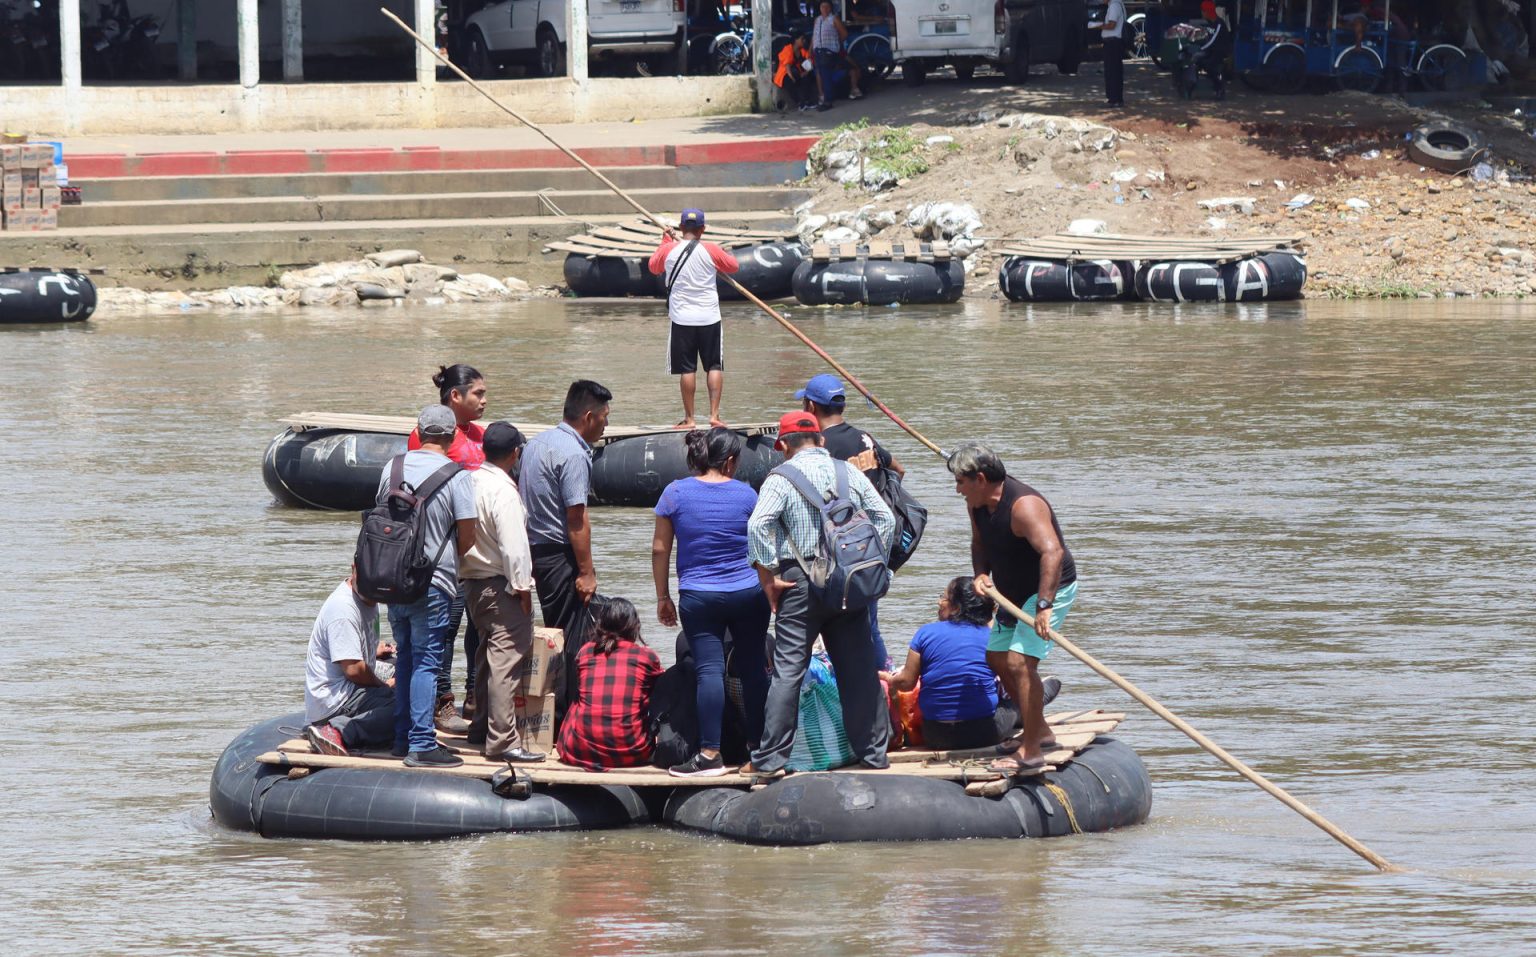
point(1023, 279)
point(1104, 787)
point(1448, 147)
point(1267, 278)
point(878, 282)
point(767, 271)
point(1179, 282)
point(611, 276)
point(45, 295)
point(364, 804)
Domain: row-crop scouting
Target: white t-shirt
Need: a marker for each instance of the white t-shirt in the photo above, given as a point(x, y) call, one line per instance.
point(347, 629)
point(1115, 13)
point(695, 299)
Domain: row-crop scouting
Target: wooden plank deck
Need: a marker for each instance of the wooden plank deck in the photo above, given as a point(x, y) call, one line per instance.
point(1169, 248)
point(403, 424)
point(1074, 732)
point(640, 238)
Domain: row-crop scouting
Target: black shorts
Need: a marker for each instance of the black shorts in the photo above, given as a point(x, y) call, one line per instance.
point(688, 347)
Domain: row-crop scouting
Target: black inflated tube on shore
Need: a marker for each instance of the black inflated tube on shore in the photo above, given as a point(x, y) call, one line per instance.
point(1026, 279)
point(1106, 787)
point(878, 282)
point(1270, 277)
point(767, 271)
point(1179, 282)
point(388, 804)
point(45, 295)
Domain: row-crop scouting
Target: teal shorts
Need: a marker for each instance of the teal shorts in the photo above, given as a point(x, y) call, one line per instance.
point(1020, 636)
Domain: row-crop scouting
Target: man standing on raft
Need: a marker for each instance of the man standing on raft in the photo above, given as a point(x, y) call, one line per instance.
point(1016, 547)
point(691, 268)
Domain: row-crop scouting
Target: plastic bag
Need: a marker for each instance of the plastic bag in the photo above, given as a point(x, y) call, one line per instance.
point(820, 742)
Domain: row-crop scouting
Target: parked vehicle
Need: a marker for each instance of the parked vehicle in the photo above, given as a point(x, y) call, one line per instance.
point(532, 32)
point(1011, 35)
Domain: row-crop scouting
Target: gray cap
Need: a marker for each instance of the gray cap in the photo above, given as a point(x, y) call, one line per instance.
point(436, 420)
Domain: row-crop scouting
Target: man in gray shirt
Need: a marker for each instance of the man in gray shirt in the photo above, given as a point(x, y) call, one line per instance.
point(555, 480)
point(421, 628)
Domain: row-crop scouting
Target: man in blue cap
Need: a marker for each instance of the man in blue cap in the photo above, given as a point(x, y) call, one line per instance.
point(825, 398)
point(695, 335)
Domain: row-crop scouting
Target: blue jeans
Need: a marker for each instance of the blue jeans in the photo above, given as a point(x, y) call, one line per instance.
point(882, 657)
point(706, 617)
point(421, 639)
point(826, 62)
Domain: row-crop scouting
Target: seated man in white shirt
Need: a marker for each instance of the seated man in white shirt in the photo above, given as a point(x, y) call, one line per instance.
point(348, 706)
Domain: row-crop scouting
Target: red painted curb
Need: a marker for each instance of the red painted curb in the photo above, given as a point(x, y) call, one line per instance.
point(87, 166)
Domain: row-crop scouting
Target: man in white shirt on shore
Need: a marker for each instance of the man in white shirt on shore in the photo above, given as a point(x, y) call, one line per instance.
point(1113, 32)
point(695, 337)
point(498, 582)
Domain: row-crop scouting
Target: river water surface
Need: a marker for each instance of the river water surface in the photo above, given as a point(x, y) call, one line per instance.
point(1309, 529)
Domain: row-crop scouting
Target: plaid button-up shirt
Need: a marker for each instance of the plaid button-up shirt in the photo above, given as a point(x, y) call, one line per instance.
point(781, 508)
point(607, 726)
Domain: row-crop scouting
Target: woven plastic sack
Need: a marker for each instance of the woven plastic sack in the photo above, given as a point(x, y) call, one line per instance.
point(820, 742)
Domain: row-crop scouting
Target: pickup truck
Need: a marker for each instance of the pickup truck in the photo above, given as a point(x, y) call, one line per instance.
point(532, 32)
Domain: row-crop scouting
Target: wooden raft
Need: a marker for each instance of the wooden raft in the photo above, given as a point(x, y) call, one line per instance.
point(641, 237)
point(404, 424)
point(1066, 246)
point(1074, 732)
point(911, 250)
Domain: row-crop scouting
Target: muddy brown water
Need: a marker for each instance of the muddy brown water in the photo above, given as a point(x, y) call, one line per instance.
point(1307, 528)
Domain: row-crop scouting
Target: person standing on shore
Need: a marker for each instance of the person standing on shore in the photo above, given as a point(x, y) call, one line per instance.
point(498, 582)
point(461, 388)
point(695, 335)
point(421, 627)
point(1113, 32)
point(1016, 547)
point(556, 481)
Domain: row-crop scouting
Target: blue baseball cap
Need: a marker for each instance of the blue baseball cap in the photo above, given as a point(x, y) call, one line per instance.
point(824, 389)
point(692, 219)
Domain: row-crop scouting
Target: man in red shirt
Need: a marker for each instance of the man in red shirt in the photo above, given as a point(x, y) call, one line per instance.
point(693, 306)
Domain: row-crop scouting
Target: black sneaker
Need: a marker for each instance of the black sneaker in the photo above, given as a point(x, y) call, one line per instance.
point(438, 757)
point(698, 766)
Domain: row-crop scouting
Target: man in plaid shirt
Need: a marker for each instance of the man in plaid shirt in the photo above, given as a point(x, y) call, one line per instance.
point(782, 514)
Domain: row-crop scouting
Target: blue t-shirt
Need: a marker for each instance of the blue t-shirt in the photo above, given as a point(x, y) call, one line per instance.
point(957, 684)
point(710, 522)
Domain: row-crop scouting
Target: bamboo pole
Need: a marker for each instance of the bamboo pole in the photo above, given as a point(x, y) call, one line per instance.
point(1274, 790)
point(773, 313)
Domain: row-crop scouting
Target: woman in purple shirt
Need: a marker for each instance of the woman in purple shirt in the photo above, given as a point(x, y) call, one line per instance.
point(717, 590)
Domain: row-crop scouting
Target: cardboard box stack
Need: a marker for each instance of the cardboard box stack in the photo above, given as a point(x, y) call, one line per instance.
point(543, 669)
point(29, 187)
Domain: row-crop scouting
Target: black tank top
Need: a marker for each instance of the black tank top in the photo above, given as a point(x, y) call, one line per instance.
point(1015, 563)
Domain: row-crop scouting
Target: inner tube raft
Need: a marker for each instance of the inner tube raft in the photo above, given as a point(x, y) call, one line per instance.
point(363, 804)
point(766, 271)
point(1027, 279)
point(1270, 277)
point(878, 282)
point(339, 469)
point(1106, 787)
point(45, 295)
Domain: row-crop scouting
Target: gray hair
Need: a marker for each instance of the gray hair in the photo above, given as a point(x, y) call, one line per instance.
point(974, 458)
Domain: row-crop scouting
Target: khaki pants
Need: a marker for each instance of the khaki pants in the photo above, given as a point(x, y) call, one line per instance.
point(501, 661)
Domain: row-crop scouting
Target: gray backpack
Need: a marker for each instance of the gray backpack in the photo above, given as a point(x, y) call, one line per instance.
point(849, 569)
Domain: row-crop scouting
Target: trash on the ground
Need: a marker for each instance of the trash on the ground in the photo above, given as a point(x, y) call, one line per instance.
point(1482, 173)
point(1300, 200)
point(1371, 154)
point(840, 235)
point(1238, 204)
point(1279, 184)
point(938, 140)
point(1087, 227)
point(1358, 204)
point(1216, 222)
point(1124, 175)
point(949, 221)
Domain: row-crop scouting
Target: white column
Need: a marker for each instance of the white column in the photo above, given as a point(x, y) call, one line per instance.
point(426, 25)
point(293, 40)
point(186, 39)
point(576, 40)
point(762, 53)
point(248, 37)
point(69, 43)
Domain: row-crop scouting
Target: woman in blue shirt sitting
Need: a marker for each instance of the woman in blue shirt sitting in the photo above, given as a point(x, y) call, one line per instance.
point(717, 590)
point(958, 694)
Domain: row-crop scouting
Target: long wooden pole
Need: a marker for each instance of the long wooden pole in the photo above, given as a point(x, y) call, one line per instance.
point(1333, 830)
point(774, 313)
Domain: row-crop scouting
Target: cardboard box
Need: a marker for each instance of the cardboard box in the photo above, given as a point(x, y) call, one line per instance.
point(11, 155)
point(63, 173)
point(10, 183)
point(51, 197)
point(36, 154)
point(29, 179)
point(31, 197)
point(536, 721)
point(48, 175)
point(48, 218)
point(546, 665)
point(24, 220)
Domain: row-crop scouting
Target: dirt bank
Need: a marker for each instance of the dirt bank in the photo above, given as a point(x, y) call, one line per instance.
point(1377, 223)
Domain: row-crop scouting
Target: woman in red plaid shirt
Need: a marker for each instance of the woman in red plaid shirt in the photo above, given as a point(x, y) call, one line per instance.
point(606, 727)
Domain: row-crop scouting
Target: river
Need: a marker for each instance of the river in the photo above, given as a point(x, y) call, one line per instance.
point(1307, 528)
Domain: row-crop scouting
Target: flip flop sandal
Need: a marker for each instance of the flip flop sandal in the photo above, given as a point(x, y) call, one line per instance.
point(1017, 768)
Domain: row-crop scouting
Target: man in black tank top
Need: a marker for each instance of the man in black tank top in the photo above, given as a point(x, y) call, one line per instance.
point(1017, 547)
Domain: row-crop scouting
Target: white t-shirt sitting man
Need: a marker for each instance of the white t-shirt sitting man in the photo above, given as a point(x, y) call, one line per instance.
point(348, 705)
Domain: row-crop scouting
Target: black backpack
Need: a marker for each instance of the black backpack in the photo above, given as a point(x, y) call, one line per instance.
point(392, 567)
point(911, 515)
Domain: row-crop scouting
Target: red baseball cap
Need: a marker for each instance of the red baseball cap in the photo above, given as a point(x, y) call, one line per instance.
point(792, 422)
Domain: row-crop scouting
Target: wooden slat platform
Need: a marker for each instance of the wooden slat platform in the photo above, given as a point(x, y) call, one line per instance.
point(1074, 732)
point(641, 237)
point(910, 249)
point(1217, 249)
point(403, 424)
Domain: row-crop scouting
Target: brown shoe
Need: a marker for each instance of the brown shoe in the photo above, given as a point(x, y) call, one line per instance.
point(447, 718)
point(469, 705)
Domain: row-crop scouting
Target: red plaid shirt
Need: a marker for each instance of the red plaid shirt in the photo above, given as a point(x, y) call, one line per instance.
point(607, 726)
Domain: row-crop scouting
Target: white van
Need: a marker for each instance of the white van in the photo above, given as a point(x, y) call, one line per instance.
point(533, 32)
point(1008, 34)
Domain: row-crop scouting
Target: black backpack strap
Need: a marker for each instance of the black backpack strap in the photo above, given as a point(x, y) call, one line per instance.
point(397, 472)
point(693, 244)
point(436, 481)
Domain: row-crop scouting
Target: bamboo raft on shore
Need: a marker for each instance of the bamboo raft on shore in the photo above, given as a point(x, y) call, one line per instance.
point(640, 237)
point(1115, 246)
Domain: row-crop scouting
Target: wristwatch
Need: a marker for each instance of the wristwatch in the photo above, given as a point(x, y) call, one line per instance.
point(1043, 604)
